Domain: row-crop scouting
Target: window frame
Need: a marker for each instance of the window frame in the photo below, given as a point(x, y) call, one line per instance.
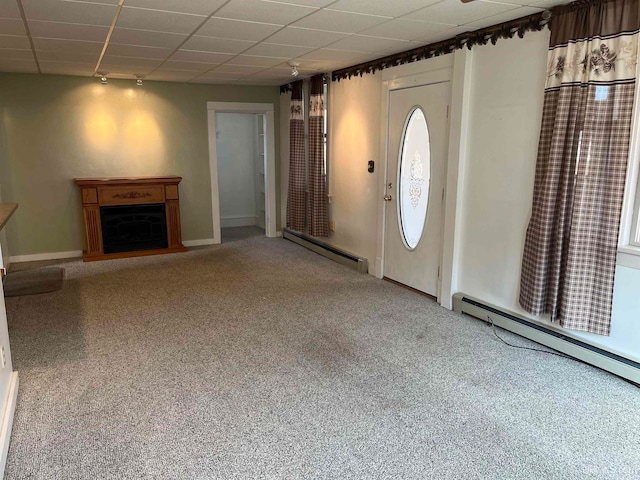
point(629, 238)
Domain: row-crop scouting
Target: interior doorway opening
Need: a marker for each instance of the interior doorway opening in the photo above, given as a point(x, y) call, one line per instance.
point(241, 142)
point(242, 167)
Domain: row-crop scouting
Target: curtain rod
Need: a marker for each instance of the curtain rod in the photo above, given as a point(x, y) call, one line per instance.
point(519, 26)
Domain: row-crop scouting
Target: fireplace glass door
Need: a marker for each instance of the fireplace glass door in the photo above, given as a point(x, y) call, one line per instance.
point(129, 228)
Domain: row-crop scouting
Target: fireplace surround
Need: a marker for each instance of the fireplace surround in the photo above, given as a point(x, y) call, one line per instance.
point(127, 217)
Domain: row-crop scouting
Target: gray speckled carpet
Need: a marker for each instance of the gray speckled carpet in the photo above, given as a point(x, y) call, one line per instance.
point(258, 359)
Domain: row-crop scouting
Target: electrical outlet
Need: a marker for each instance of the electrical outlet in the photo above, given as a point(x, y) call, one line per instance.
point(332, 225)
point(4, 358)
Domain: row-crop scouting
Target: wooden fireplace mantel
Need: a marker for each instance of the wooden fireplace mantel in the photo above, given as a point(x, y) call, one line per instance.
point(110, 191)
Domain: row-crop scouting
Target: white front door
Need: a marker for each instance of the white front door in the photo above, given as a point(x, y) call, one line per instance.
point(418, 130)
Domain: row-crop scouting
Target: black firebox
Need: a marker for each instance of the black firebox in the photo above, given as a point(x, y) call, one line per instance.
point(129, 228)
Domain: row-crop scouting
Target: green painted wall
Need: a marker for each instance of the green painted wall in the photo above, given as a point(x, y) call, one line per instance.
point(56, 128)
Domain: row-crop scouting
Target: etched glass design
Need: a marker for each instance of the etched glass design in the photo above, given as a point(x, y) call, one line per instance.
point(414, 175)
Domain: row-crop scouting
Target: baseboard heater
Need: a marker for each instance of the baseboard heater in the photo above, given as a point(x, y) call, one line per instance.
point(616, 364)
point(350, 260)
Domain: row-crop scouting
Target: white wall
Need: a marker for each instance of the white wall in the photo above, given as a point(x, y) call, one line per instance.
point(354, 139)
point(501, 147)
point(506, 107)
point(236, 144)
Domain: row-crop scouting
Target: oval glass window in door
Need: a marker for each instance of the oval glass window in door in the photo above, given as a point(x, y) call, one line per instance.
point(414, 175)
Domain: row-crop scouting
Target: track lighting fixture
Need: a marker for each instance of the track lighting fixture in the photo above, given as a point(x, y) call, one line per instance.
point(139, 80)
point(294, 69)
point(103, 77)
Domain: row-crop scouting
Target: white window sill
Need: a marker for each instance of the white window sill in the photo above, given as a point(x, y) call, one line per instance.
point(629, 256)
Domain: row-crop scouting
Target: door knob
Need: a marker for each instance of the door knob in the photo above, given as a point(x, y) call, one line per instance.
point(387, 198)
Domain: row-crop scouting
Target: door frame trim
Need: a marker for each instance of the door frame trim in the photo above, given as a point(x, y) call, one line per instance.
point(455, 68)
point(267, 110)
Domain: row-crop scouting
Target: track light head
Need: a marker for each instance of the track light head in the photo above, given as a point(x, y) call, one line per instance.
point(294, 68)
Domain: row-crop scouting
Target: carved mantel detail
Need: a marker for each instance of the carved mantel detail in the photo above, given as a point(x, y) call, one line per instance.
point(132, 195)
point(104, 192)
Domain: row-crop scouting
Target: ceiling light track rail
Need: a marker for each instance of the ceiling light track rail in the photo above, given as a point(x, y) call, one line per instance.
point(28, 32)
point(108, 39)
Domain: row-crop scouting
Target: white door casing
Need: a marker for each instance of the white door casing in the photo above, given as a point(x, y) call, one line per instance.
point(270, 163)
point(417, 146)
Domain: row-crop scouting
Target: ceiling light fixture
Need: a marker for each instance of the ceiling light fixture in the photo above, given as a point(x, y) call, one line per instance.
point(139, 80)
point(294, 69)
point(103, 77)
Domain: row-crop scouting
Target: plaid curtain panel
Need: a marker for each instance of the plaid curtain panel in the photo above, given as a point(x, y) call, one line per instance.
point(569, 260)
point(296, 197)
point(318, 208)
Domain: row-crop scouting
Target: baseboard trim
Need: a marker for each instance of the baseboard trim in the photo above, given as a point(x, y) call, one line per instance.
point(7, 420)
point(198, 243)
point(240, 221)
point(36, 257)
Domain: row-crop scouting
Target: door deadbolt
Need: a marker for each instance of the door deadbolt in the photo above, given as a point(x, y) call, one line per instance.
point(387, 198)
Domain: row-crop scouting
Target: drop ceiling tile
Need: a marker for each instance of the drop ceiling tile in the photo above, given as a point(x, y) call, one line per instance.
point(15, 54)
point(389, 9)
point(275, 73)
point(403, 29)
point(505, 17)
point(188, 66)
point(124, 71)
point(67, 57)
point(275, 50)
point(236, 69)
point(14, 41)
point(517, 2)
point(66, 68)
point(548, 3)
point(264, 11)
point(196, 7)
point(137, 51)
point(336, 21)
point(391, 51)
point(108, 2)
point(158, 21)
point(305, 37)
point(308, 3)
point(250, 60)
point(444, 35)
point(220, 45)
point(309, 65)
point(18, 66)
point(9, 9)
point(68, 31)
point(146, 38)
point(361, 43)
point(329, 55)
point(70, 12)
point(129, 62)
point(200, 57)
point(457, 13)
point(237, 29)
point(212, 77)
point(52, 44)
point(12, 26)
point(258, 82)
